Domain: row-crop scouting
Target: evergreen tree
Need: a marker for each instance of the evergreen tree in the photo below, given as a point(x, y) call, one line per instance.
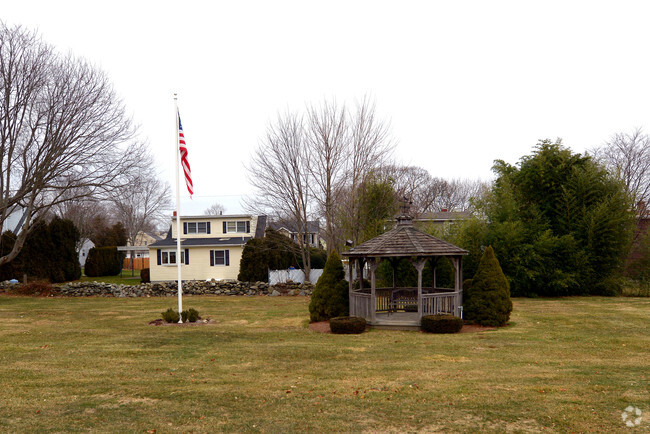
point(330, 298)
point(64, 236)
point(488, 302)
point(254, 266)
point(559, 222)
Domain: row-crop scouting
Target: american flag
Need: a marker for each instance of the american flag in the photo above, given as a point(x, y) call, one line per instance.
point(182, 147)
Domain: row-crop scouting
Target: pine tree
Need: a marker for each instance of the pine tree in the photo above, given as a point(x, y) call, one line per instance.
point(330, 296)
point(488, 301)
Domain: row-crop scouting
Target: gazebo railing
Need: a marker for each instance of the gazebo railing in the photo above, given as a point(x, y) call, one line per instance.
point(360, 305)
point(434, 301)
point(441, 303)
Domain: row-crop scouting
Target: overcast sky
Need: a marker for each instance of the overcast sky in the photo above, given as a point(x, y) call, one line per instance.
point(462, 83)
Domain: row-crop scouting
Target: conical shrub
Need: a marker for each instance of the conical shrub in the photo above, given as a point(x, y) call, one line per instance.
point(488, 300)
point(329, 298)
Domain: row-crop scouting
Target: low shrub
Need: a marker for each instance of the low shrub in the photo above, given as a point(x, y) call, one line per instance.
point(39, 287)
point(145, 276)
point(190, 315)
point(348, 325)
point(170, 315)
point(411, 308)
point(103, 261)
point(441, 324)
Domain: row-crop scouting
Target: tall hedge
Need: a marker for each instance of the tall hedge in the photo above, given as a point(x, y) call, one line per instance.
point(254, 264)
point(488, 301)
point(49, 252)
point(330, 298)
point(103, 261)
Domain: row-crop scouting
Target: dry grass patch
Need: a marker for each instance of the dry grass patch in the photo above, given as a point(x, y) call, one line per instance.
point(563, 365)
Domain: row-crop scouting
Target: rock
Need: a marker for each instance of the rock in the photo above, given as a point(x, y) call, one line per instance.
point(275, 293)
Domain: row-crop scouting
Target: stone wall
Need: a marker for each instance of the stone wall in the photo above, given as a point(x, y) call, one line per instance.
point(169, 289)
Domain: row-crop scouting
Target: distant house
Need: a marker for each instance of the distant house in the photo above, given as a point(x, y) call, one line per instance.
point(443, 216)
point(211, 247)
point(146, 238)
point(311, 235)
point(83, 252)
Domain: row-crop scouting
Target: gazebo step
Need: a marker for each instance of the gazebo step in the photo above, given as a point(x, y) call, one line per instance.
point(395, 325)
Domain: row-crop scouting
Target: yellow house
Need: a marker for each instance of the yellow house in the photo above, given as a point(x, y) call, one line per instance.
point(211, 247)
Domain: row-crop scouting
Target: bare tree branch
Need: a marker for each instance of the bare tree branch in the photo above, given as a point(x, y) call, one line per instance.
point(279, 172)
point(62, 129)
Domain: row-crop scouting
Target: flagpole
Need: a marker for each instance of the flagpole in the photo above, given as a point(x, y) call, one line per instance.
point(178, 214)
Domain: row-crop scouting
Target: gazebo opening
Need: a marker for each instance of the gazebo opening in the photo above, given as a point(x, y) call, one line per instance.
point(411, 274)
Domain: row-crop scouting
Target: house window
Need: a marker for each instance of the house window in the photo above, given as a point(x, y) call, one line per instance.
point(196, 228)
point(234, 227)
point(219, 257)
point(168, 257)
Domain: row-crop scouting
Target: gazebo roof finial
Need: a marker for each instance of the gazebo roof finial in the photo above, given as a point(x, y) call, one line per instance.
point(405, 217)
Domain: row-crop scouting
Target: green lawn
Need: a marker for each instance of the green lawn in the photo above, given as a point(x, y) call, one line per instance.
point(94, 364)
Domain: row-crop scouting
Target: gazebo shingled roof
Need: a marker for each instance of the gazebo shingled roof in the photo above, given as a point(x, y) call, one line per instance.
point(405, 240)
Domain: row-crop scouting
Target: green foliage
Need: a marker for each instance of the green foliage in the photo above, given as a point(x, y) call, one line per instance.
point(330, 298)
point(49, 252)
point(13, 269)
point(441, 324)
point(559, 222)
point(253, 266)
point(282, 252)
point(103, 261)
point(488, 302)
point(348, 325)
point(65, 261)
point(638, 266)
point(318, 258)
point(273, 252)
point(145, 275)
point(369, 208)
point(170, 315)
point(190, 315)
point(108, 236)
point(377, 204)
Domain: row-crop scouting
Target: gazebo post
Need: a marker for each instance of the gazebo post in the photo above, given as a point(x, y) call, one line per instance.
point(456, 261)
point(419, 265)
point(353, 310)
point(373, 282)
point(459, 285)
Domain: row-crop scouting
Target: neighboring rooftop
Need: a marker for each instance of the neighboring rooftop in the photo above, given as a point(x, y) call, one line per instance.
point(313, 226)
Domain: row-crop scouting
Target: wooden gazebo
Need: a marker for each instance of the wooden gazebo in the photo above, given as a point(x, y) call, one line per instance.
point(395, 307)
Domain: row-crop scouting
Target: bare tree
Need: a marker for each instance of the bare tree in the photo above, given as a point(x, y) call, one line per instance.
point(328, 142)
point(279, 172)
point(83, 213)
point(142, 205)
point(456, 195)
point(345, 147)
point(215, 209)
point(61, 128)
point(627, 156)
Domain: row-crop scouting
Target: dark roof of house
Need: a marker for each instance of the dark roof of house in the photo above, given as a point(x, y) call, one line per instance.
point(405, 240)
point(313, 226)
point(193, 242)
point(261, 226)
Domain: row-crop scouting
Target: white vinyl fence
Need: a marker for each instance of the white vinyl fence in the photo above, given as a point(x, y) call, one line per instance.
point(281, 276)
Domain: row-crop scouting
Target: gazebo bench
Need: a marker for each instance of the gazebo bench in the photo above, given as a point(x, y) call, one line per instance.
point(401, 298)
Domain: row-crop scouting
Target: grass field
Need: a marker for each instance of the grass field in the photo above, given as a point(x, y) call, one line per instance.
point(94, 364)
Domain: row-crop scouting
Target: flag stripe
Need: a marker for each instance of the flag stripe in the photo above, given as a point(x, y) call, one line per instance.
point(182, 147)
